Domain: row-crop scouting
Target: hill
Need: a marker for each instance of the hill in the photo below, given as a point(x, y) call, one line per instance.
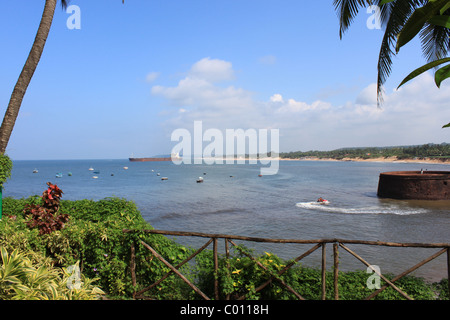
point(426, 151)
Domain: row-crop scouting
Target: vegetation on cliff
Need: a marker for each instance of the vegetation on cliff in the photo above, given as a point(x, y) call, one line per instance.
point(426, 151)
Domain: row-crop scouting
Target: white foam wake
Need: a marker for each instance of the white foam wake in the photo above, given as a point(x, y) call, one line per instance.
point(363, 210)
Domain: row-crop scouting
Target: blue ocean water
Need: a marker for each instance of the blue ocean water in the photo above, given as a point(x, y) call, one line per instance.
point(234, 199)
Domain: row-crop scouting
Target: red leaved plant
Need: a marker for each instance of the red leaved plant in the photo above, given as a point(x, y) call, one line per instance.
point(46, 217)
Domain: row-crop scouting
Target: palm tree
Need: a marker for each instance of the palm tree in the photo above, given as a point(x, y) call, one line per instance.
point(27, 72)
point(435, 39)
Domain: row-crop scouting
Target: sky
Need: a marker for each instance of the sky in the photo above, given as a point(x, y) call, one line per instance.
point(131, 74)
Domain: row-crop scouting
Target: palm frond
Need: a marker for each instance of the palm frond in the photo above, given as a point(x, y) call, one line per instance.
point(347, 10)
point(399, 12)
point(64, 4)
point(435, 41)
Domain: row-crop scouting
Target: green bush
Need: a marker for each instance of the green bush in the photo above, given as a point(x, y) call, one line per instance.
point(94, 236)
point(29, 276)
point(5, 168)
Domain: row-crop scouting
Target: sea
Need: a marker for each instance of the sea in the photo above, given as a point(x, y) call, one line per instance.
point(234, 199)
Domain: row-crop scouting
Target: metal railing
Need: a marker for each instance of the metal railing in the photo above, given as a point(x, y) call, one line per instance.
point(320, 243)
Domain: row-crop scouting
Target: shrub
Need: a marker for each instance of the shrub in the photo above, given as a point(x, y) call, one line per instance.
point(5, 168)
point(46, 217)
point(27, 276)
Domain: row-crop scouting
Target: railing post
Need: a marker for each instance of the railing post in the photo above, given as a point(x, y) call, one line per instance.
point(448, 268)
point(227, 254)
point(216, 270)
point(324, 271)
point(336, 271)
point(133, 268)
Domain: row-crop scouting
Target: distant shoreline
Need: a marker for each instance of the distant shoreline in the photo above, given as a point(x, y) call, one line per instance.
point(380, 159)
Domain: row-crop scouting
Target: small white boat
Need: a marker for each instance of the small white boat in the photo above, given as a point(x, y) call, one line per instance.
point(94, 177)
point(59, 175)
point(158, 174)
point(199, 180)
point(91, 169)
point(35, 171)
point(126, 168)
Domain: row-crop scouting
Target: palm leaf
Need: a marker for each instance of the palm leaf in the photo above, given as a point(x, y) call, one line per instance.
point(441, 74)
point(417, 20)
point(435, 41)
point(347, 11)
point(422, 69)
point(400, 10)
point(443, 21)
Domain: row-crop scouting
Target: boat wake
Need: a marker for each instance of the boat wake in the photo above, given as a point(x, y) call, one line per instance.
point(397, 210)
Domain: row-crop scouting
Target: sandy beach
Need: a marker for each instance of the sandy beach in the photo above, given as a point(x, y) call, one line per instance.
point(380, 159)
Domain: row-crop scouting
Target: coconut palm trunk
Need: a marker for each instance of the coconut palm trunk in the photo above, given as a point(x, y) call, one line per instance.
point(27, 73)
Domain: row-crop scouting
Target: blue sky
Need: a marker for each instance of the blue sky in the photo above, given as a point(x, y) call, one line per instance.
point(137, 71)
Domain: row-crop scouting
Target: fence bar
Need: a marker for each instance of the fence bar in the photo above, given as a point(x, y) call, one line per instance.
point(336, 270)
point(176, 267)
point(227, 254)
point(289, 265)
point(324, 270)
point(314, 241)
point(448, 269)
point(445, 247)
point(383, 277)
point(407, 272)
point(133, 267)
point(262, 266)
point(156, 254)
point(216, 270)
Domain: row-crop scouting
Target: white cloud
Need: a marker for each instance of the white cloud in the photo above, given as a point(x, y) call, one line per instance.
point(212, 70)
point(152, 76)
point(412, 115)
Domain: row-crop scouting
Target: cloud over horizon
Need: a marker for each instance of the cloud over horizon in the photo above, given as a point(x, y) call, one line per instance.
point(412, 115)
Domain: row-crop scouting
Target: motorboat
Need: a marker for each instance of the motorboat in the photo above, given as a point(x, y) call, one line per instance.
point(35, 171)
point(164, 178)
point(322, 201)
point(59, 175)
point(200, 179)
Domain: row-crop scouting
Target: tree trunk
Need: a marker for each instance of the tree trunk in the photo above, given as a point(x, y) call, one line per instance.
point(27, 73)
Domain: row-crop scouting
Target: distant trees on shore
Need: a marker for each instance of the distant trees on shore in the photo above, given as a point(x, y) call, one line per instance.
point(434, 151)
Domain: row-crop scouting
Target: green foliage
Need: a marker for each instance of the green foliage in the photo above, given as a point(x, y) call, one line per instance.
point(433, 13)
point(28, 276)
point(46, 217)
point(5, 168)
point(94, 236)
point(435, 151)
